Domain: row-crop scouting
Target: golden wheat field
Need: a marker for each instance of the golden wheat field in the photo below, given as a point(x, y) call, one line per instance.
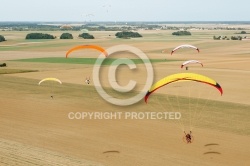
point(36, 129)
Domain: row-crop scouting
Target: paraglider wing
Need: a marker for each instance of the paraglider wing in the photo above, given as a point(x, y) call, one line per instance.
point(182, 77)
point(190, 61)
point(50, 79)
point(87, 47)
point(184, 46)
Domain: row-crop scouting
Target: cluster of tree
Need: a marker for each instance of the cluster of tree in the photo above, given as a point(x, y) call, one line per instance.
point(2, 38)
point(227, 38)
point(181, 33)
point(66, 36)
point(221, 38)
point(86, 36)
point(126, 34)
point(39, 36)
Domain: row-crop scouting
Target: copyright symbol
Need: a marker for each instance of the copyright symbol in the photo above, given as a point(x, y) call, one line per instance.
point(112, 75)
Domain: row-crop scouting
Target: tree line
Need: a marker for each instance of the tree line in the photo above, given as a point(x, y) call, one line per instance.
point(227, 38)
point(63, 36)
point(181, 33)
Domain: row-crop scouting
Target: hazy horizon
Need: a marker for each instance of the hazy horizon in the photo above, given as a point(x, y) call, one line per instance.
point(120, 11)
point(172, 22)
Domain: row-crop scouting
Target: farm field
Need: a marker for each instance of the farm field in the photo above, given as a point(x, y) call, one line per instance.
point(36, 129)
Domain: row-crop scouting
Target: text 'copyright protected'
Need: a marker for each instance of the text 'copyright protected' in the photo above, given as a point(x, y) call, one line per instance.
point(124, 115)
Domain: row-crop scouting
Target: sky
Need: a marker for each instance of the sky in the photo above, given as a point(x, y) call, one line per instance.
point(124, 10)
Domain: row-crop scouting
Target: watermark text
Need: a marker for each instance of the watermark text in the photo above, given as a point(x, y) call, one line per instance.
point(124, 115)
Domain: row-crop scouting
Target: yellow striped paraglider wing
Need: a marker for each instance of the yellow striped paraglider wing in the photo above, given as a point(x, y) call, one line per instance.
point(183, 77)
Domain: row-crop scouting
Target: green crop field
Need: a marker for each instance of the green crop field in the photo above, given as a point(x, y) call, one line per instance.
point(92, 61)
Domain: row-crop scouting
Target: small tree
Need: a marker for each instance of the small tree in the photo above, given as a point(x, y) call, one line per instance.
point(243, 32)
point(236, 38)
point(2, 38)
point(86, 36)
point(66, 36)
point(217, 38)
